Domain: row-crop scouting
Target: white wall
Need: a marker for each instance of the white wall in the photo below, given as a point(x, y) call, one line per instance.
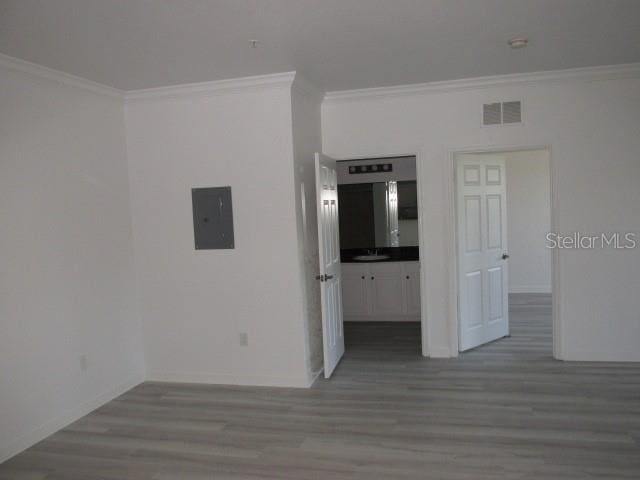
point(409, 233)
point(528, 221)
point(195, 303)
point(67, 284)
point(592, 127)
point(66, 271)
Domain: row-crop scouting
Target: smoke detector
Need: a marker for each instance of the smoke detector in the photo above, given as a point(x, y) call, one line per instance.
point(518, 42)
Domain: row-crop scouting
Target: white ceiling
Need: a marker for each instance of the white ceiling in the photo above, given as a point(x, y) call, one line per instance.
point(338, 44)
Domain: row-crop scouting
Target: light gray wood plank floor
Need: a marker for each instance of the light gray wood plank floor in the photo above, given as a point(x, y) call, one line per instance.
point(506, 410)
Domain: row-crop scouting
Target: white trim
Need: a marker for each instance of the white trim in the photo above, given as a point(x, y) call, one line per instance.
point(605, 72)
point(60, 77)
point(217, 87)
point(425, 327)
point(440, 352)
point(297, 381)
point(313, 376)
point(61, 421)
point(286, 79)
point(557, 325)
point(303, 86)
point(530, 289)
point(602, 356)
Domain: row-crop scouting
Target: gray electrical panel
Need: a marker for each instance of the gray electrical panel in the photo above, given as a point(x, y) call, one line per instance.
point(212, 218)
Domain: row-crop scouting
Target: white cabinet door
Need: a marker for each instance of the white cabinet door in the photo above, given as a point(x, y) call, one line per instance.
point(386, 289)
point(355, 283)
point(411, 276)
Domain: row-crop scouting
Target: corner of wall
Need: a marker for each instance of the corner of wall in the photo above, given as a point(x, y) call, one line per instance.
point(306, 130)
point(67, 418)
point(137, 293)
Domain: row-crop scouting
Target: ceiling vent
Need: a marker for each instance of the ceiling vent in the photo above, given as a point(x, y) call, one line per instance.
point(501, 113)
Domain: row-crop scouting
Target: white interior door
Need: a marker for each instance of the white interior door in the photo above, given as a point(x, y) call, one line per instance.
point(482, 249)
point(330, 275)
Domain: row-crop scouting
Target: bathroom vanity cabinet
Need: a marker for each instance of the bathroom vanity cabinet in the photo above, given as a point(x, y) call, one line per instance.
point(381, 291)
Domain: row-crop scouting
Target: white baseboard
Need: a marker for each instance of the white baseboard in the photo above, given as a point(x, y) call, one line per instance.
point(530, 289)
point(595, 356)
point(301, 381)
point(50, 427)
point(313, 376)
point(439, 352)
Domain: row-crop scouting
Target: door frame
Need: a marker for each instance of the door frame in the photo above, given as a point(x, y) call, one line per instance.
point(557, 330)
point(422, 245)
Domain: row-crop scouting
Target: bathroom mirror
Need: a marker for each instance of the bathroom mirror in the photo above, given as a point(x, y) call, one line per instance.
point(380, 214)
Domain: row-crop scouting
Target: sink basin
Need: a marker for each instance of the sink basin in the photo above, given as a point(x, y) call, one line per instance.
point(370, 258)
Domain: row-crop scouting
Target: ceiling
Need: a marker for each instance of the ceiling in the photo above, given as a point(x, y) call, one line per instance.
point(337, 44)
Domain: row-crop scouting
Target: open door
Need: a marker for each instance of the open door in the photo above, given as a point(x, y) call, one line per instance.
point(482, 249)
point(330, 277)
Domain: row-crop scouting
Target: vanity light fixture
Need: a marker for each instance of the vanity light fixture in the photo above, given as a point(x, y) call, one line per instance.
point(374, 168)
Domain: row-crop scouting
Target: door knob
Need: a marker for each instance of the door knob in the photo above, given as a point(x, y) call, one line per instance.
point(505, 256)
point(324, 278)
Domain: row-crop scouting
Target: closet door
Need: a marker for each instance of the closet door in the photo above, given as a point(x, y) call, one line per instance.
point(482, 249)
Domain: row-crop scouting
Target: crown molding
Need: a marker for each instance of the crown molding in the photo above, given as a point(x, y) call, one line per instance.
point(303, 86)
point(217, 87)
point(600, 73)
point(299, 83)
point(42, 72)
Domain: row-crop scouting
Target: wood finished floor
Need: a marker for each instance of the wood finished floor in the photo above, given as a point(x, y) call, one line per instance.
point(502, 411)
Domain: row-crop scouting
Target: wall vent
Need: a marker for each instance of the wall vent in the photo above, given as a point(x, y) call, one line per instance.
point(501, 113)
point(492, 114)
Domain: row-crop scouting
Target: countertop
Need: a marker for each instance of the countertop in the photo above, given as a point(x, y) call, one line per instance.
point(396, 254)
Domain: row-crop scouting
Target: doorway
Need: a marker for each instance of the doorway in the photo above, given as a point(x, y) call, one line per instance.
point(504, 269)
point(379, 244)
point(381, 283)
